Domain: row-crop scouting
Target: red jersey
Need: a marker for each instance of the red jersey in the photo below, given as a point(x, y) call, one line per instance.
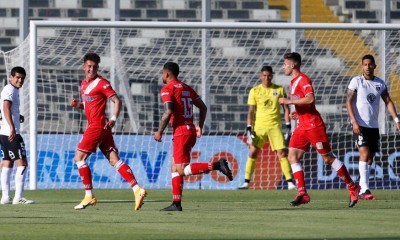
point(182, 96)
point(308, 115)
point(94, 96)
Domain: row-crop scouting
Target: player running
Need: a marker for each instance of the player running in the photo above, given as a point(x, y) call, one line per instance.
point(310, 130)
point(179, 99)
point(95, 91)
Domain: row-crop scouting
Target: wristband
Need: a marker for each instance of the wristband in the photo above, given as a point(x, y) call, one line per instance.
point(396, 120)
point(113, 118)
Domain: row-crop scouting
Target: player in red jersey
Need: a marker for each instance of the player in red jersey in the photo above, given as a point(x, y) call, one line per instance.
point(310, 130)
point(178, 99)
point(95, 92)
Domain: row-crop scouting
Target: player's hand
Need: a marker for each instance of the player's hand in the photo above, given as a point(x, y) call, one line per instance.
point(250, 135)
point(157, 136)
point(284, 101)
point(356, 128)
point(293, 115)
point(21, 118)
point(199, 131)
point(74, 103)
point(287, 133)
point(109, 124)
point(12, 136)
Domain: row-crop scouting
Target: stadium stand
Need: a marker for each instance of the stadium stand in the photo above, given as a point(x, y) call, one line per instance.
point(229, 110)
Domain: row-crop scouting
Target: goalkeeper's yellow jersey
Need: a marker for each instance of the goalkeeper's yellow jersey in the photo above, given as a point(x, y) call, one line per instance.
point(267, 104)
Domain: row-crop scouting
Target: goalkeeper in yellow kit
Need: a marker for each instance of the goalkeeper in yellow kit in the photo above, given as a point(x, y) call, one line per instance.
point(264, 124)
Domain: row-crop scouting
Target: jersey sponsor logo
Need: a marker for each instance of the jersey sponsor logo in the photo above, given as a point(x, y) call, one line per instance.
point(164, 93)
point(178, 85)
point(371, 98)
point(86, 98)
point(106, 86)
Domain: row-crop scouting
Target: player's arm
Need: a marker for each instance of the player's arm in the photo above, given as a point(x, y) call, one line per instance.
point(202, 116)
point(117, 109)
point(77, 104)
point(251, 113)
point(166, 116)
point(8, 116)
point(350, 111)
point(391, 108)
point(307, 100)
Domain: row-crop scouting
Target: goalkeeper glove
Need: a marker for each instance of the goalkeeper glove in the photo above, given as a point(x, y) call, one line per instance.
point(287, 133)
point(250, 135)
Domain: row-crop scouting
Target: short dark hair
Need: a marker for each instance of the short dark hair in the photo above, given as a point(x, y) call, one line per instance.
point(293, 56)
point(19, 70)
point(92, 57)
point(370, 57)
point(172, 68)
point(267, 68)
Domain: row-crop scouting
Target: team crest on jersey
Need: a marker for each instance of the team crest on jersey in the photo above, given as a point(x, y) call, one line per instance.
point(275, 93)
point(378, 87)
point(371, 98)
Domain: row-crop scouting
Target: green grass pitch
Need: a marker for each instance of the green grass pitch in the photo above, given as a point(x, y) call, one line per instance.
point(244, 214)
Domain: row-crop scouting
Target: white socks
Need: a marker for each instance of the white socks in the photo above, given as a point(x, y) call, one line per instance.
point(19, 182)
point(5, 182)
point(363, 169)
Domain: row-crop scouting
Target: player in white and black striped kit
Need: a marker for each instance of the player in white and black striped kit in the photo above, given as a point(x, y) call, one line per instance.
point(12, 144)
point(362, 105)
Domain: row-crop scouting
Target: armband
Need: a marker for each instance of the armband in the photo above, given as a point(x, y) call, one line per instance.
point(396, 120)
point(113, 118)
point(288, 125)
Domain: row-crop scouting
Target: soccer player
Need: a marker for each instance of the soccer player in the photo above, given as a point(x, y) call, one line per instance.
point(12, 144)
point(310, 130)
point(95, 91)
point(362, 105)
point(264, 115)
point(179, 99)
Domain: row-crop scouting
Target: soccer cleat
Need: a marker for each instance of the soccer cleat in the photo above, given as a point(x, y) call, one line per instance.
point(223, 167)
point(301, 198)
point(140, 194)
point(172, 208)
point(354, 195)
point(367, 195)
point(291, 186)
point(244, 186)
point(88, 200)
point(6, 200)
point(22, 201)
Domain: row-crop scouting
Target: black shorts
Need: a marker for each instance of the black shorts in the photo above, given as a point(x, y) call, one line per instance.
point(369, 137)
point(12, 150)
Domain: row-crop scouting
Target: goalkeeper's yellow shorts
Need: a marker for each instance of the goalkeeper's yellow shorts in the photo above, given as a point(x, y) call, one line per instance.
point(272, 134)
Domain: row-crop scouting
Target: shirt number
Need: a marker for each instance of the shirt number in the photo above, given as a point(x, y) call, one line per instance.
point(187, 107)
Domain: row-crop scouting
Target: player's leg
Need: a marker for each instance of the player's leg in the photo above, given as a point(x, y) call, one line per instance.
point(368, 144)
point(320, 141)
point(108, 148)
point(17, 153)
point(182, 146)
point(297, 146)
point(5, 181)
point(277, 143)
point(7, 166)
point(176, 186)
point(88, 144)
point(260, 138)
